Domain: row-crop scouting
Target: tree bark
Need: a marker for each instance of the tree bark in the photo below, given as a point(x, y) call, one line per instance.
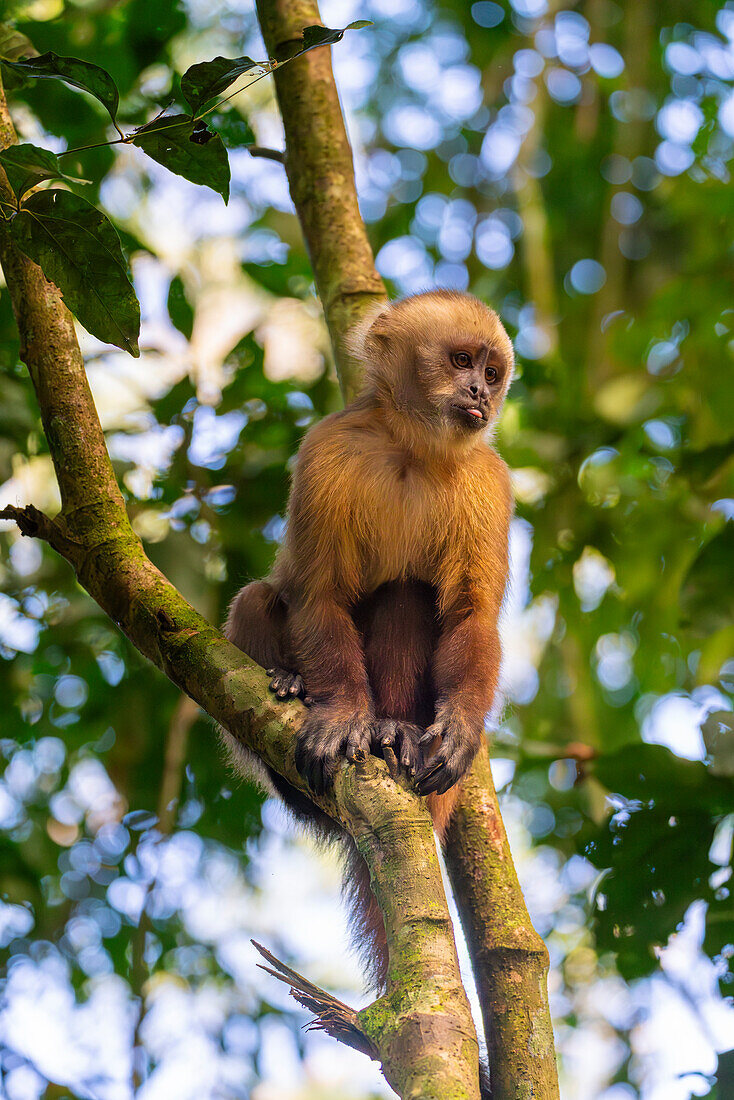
point(422, 1030)
point(318, 163)
point(510, 959)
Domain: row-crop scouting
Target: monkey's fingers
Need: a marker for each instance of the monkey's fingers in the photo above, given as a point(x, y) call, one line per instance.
point(410, 754)
point(316, 758)
point(358, 743)
point(432, 778)
point(319, 773)
point(285, 683)
point(436, 730)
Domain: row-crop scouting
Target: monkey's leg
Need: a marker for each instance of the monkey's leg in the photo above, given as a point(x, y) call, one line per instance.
point(398, 625)
point(257, 623)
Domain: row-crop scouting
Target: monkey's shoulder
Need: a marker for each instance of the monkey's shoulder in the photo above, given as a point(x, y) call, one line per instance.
point(347, 436)
point(494, 473)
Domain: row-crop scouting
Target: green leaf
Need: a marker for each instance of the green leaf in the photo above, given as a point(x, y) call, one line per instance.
point(78, 249)
point(81, 74)
point(202, 82)
point(326, 36)
point(706, 594)
point(179, 307)
point(233, 129)
point(13, 44)
point(188, 149)
point(27, 165)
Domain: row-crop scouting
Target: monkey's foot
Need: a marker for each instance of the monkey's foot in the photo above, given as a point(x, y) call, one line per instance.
point(460, 740)
point(323, 739)
point(286, 684)
point(398, 743)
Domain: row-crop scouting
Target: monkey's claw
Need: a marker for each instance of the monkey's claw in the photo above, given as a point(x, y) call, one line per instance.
point(398, 743)
point(285, 684)
point(459, 743)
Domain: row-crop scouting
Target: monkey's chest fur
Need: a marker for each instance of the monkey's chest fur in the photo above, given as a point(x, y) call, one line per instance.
point(406, 517)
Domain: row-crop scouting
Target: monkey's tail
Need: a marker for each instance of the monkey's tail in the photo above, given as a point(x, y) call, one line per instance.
point(365, 919)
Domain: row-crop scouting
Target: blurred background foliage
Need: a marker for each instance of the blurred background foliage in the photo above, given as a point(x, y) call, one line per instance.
point(571, 165)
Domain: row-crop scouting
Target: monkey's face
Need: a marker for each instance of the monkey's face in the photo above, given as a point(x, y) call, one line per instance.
point(441, 359)
point(476, 384)
point(463, 363)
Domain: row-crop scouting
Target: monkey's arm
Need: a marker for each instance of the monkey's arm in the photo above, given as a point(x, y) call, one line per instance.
point(323, 563)
point(468, 654)
point(465, 670)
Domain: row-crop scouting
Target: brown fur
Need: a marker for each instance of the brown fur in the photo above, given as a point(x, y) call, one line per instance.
point(386, 591)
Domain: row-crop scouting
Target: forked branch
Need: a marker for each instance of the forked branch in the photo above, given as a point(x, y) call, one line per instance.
point(422, 1032)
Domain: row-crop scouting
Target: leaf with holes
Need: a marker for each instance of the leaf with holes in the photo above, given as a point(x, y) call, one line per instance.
point(188, 149)
point(326, 36)
point(206, 80)
point(78, 249)
point(81, 74)
point(27, 165)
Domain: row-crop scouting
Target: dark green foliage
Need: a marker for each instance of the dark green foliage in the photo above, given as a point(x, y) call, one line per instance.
point(707, 595)
point(179, 308)
point(208, 79)
point(81, 74)
point(93, 278)
point(176, 142)
point(325, 36)
point(27, 165)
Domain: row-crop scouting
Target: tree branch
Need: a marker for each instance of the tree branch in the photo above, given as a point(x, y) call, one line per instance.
point(318, 163)
point(422, 1028)
point(510, 959)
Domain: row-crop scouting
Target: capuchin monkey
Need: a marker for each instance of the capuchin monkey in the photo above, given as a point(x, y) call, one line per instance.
point(381, 609)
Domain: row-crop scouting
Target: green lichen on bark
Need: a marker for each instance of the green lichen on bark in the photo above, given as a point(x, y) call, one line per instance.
point(511, 960)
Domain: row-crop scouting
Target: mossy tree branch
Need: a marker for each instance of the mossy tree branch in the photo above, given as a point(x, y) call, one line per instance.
point(422, 1030)
point(510, 959)
point(318, 162)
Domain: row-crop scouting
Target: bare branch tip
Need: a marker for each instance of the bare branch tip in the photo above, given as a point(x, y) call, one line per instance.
point(267, 154)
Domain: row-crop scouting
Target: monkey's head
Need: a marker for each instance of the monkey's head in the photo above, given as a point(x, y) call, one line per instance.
point(441, 359)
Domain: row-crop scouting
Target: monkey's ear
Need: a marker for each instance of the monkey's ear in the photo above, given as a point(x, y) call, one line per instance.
point(373, 329)
point(379, 330)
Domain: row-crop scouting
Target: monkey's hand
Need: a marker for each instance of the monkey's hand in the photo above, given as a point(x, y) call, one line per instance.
point(325, 736)
point(287, 684)
point(398, 743)
point(460, 740)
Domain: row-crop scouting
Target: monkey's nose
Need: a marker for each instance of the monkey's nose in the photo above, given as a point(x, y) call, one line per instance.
point(473, 389)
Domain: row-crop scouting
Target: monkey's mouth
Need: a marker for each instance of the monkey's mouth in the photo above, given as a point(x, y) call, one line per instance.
point(471, 414)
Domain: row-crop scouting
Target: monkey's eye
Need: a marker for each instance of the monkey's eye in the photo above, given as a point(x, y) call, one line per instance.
point(491, 374)
point(461, 359)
